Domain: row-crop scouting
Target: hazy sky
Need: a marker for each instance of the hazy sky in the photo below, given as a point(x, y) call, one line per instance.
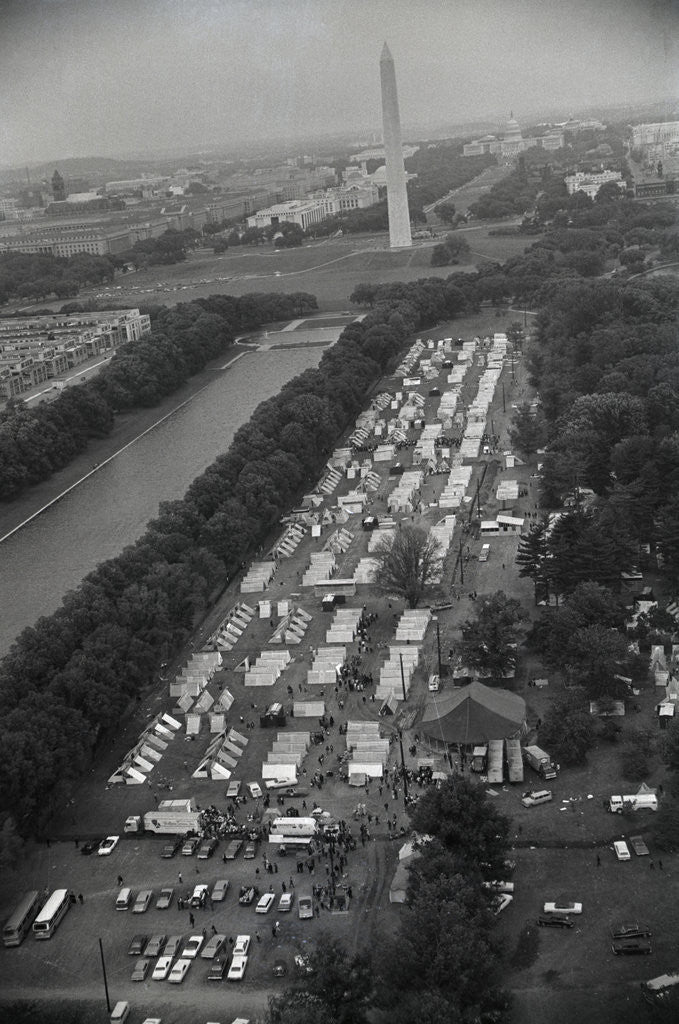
point(105, 77)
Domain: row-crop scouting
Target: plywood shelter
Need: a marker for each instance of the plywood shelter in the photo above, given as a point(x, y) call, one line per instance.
point(472, 714)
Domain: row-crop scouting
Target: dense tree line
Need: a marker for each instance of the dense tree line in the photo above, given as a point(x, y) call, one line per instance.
point(70, 677)
point(34, 276)
point(36, 442)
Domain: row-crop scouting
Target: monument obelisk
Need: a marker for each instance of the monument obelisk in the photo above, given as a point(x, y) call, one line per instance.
point(397, 196)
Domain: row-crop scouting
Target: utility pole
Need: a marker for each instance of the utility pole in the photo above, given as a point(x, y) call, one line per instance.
point(504, 404)
point(461, 560)
point(103, 969)
point(438, 642)
point(406, 796)
point(403, 678)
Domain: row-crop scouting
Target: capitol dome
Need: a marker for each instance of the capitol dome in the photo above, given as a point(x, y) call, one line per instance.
point(513, 130)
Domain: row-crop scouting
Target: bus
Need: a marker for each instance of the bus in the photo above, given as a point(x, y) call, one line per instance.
point(47, 921)
point(14, 932)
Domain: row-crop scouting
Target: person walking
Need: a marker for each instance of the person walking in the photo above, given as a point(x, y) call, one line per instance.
point(258, 937)
point(179, 876)
point(192, 920)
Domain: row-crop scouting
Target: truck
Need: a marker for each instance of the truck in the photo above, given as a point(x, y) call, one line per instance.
point(479, 758)
point(171, 817)
point(540, 762)
point(633, 802)
point(292, 831)
point(495, 771)
point(514, 760)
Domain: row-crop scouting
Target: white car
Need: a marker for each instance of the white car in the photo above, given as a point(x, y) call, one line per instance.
point(108, 845)
point(255, 790)
point(192, 947)
point(621, 850)
point(233, 789)
point(162, 968)
point(562, 908)
point(237, 968)
point(286, 900)
point(241, 945)
point(265, 903)
point(179, 971)
point(213, 946)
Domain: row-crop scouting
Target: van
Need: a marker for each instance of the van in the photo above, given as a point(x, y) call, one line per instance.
point(484, 553)
point(123, 899)
point(120, 1012)
point(536, 796)
point(434, 683)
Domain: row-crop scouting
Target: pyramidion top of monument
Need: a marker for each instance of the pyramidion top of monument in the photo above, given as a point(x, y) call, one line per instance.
point(386, 53)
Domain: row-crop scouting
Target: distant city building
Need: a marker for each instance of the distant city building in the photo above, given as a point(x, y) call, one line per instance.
point(58, 188)
point(356, 194)
point(377, 153)
point(662, 133)
point(39, 348)
point(69, 241)
point(512, 142)
point(304, 212)
point(8, 209)
point(591, 183)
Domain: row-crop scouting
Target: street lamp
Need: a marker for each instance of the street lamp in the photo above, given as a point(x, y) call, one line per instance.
point(403, 678)
point(103, 968)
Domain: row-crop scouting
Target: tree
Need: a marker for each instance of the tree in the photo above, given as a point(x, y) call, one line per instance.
point(461, 817)
point(490, 640)
point(446, 211)
point(11, 845)
point(408, 564)
point(528, 431)
point(531, 557)
point(567, 729)
point(595, 657)
point(340, 983)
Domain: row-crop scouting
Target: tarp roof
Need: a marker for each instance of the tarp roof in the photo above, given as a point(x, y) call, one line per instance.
point(473, 714)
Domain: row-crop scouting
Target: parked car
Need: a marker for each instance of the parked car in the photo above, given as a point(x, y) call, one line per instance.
point(172, 945)
point(241, 945)
point(171, 848)
point(218, 969)
point(138, 945)
point(286, 901)
point(534, 797)
point(233, 789)
point(155, 946)
point(280, 969)
point(621, 850)
point(562, 908)
point(639, 846)
point(555, 921)
point(237, 968)
point(213, 946)
point(207, 848)
point(255, 790)
point(192, 947)
point(179, 972)
point(162, 968)
point(140, 970)
point(247, 894)
point(141, 904)
point(219, 890)
point(630, 930)
point(108, 845)
point(87, 848)
point(627, 947)
point(305, 907)
point(165, 898)
point(250, 851)
point(190, 846)
point(233, 848)
point(199, 895)
point(265, 903)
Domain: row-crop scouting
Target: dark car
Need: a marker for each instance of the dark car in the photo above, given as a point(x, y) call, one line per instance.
point(171, 847)
point(90, 847)
point(250, 850)
point(138, 945)
point(247, 894)
point(555, 921)
point(207, 848)
point(218, 969)
point(628, 947)
point(280, 969)
point(233, 848)
point(630, 930)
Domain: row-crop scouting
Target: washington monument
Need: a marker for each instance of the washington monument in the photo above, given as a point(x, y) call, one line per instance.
point(397, 197)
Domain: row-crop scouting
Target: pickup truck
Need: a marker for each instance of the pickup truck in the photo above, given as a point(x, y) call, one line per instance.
point(639, 846)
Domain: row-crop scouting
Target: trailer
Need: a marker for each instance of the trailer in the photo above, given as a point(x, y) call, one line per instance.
point(495, 771)
point(540, 762)
point(514, 760)
point(171, 817)
point(633, 802)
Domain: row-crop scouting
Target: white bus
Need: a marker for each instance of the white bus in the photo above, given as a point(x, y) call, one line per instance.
point(47, 921)
point(17, 926)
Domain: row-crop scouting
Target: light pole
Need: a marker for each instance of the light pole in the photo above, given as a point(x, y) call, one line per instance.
point(406, 796)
